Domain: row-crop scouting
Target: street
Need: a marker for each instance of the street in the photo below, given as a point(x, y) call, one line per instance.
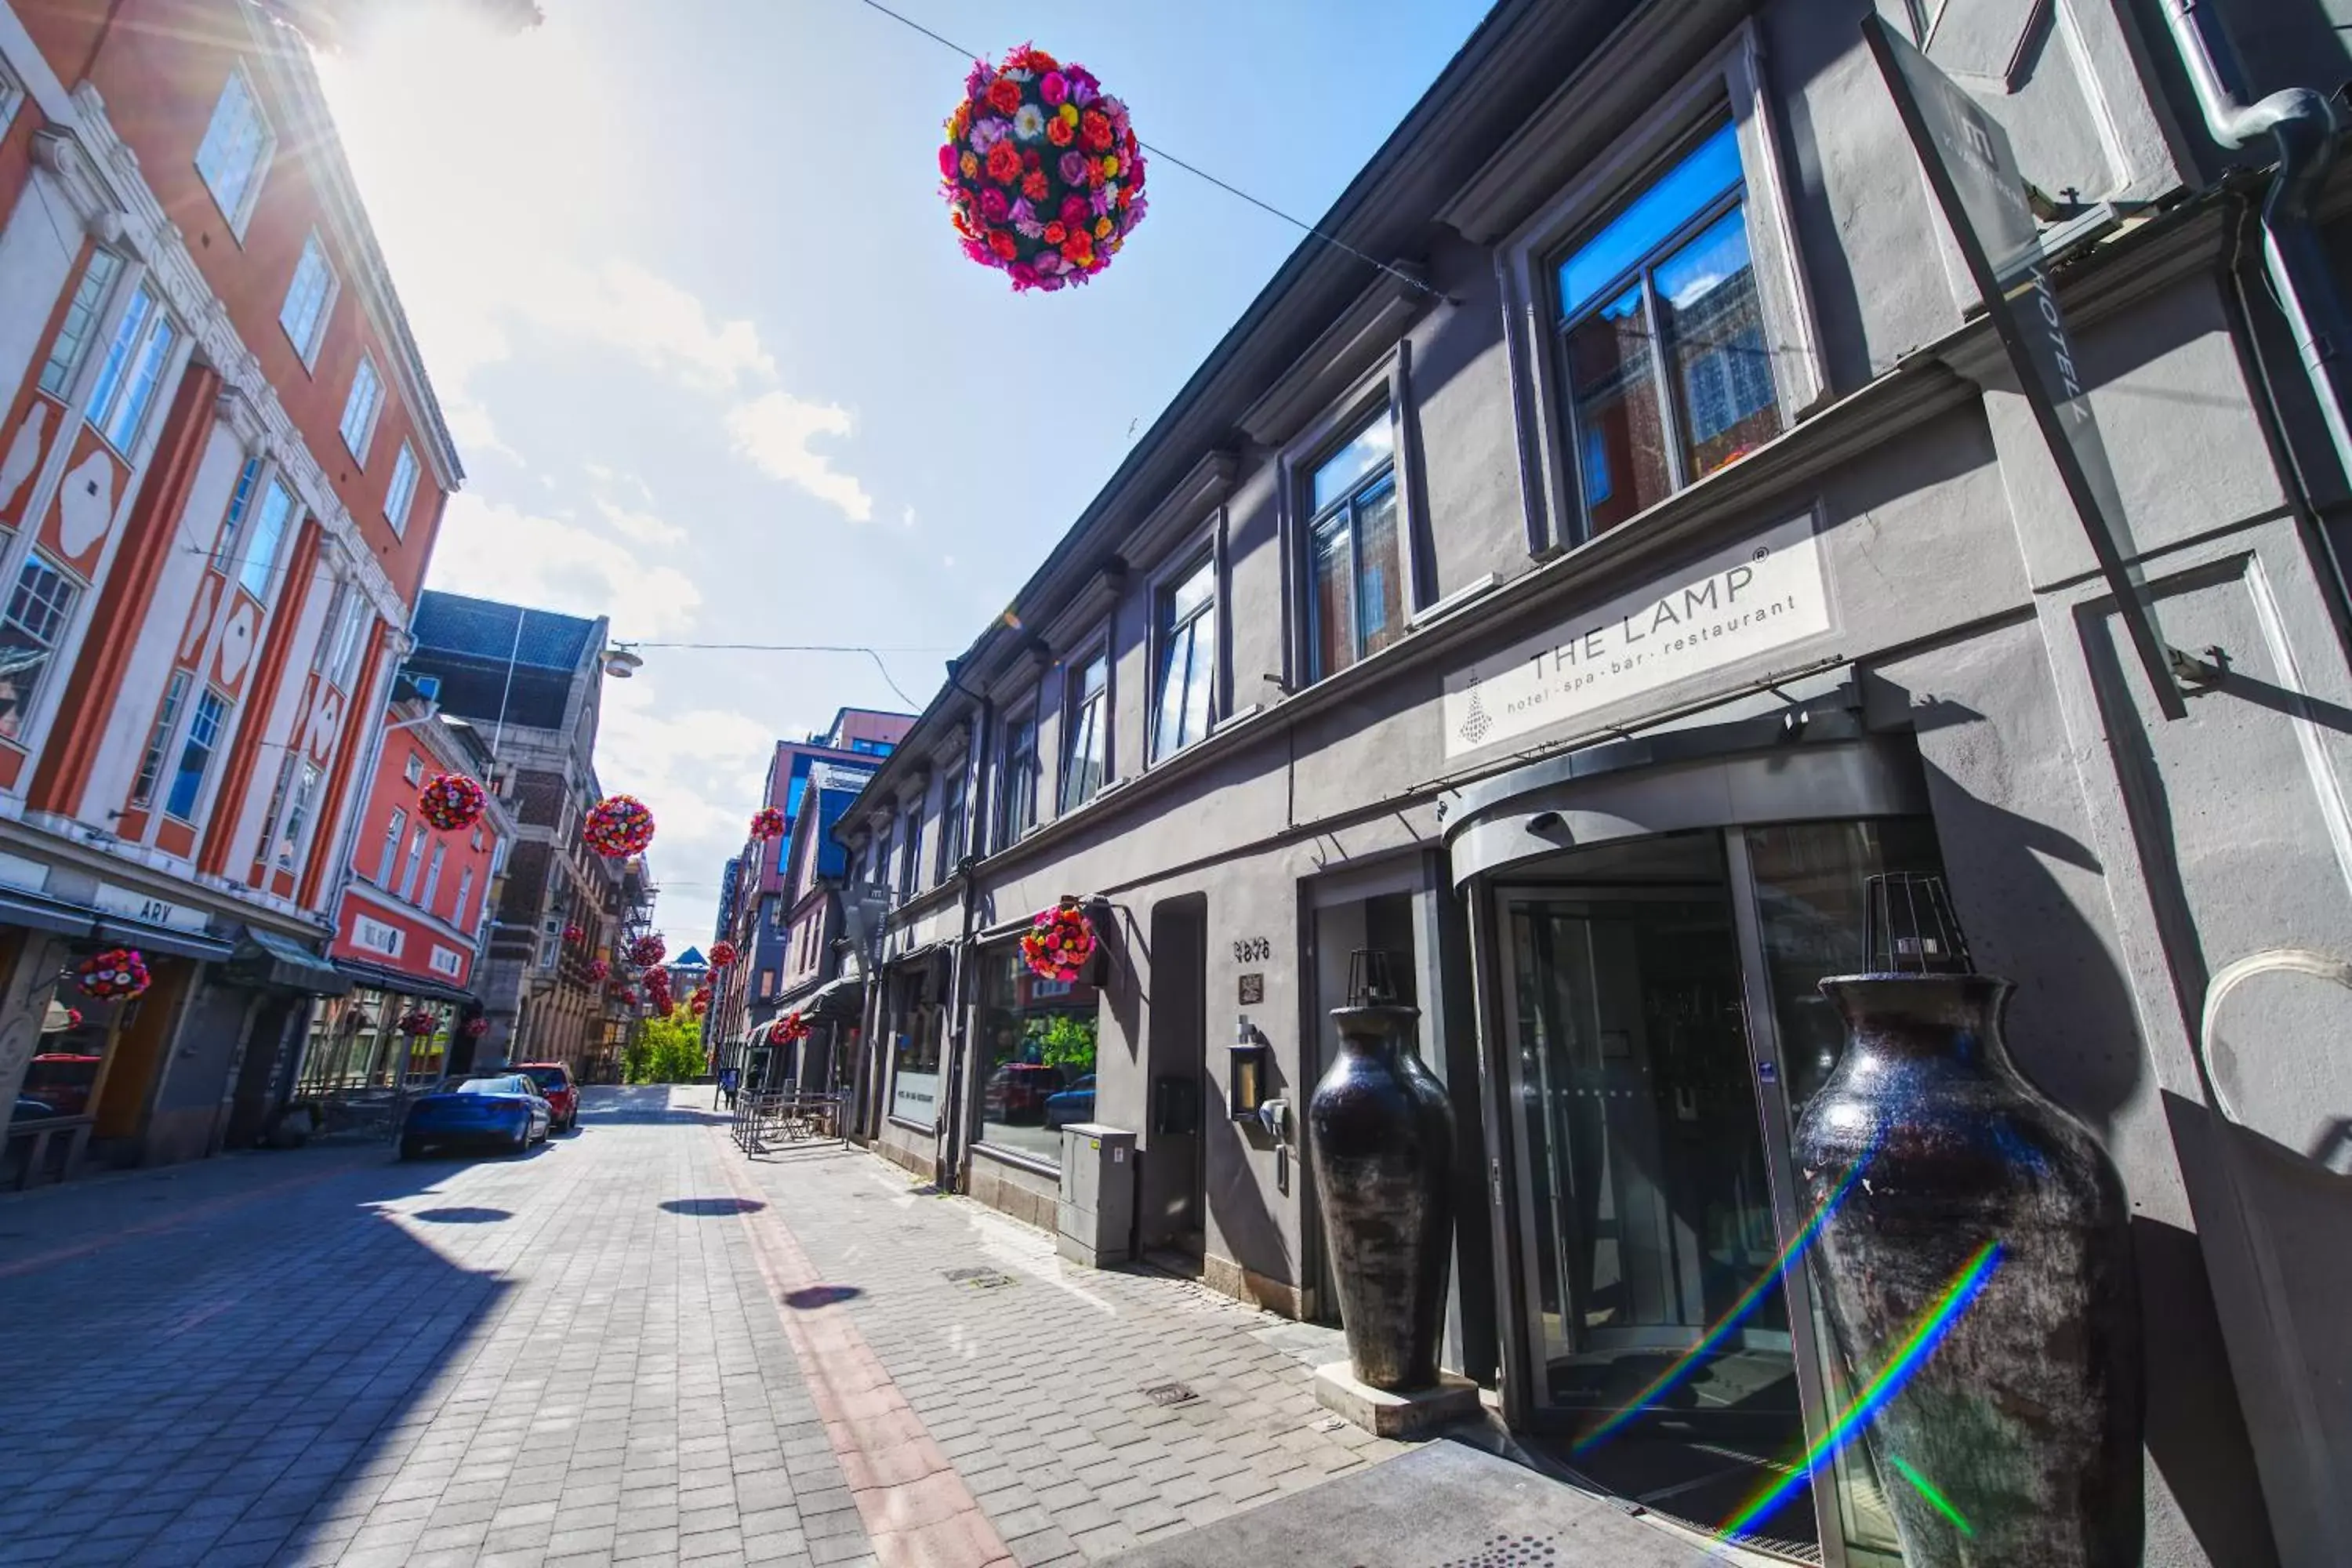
point(630, 1344)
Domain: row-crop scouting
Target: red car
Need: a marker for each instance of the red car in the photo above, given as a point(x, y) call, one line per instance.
point(557, 1087)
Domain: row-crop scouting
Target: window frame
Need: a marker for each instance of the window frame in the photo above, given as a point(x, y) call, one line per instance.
point(1073, 695)
point(1729, 82)
point(94, 312)
point(400, 495)
point(100, 414)
point(1203, 555)
point(910, 854)
point(1003, 832)
point(168, 708)
point(955, 799)
point(386, 861)
point(226, 709)
point(358, 447)
point(265, 153)
point(1315, 520)
point(306, 348)
point(29, 710)
point(287, 845)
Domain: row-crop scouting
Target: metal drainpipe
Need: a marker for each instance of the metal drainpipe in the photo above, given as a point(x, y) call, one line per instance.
point(2303, 125)
point(951, 1112)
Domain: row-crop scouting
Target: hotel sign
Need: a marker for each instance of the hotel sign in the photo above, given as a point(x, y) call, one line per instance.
point(1977, 182)
point(1753, 598)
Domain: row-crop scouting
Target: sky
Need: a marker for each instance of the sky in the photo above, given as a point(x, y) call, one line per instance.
point(717, 369)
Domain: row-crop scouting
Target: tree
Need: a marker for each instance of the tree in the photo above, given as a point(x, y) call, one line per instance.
point(667, 1049)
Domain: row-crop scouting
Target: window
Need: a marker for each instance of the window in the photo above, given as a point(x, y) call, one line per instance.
point(1038, 1070)
point(1667, 374)
point(1086, 748)
point(951, 821)
point(910, 864)
point(1188, 659)
point(35, 619)
point(340, 648)
point(310, 300)
point(360, 408)
point(415, 862)
point(1016, 796)
point(396, 500)
point(390, 849)
point(196, 755)
point(882, 849)
point(433, 878)
point(81, 319)
point(235, 153)
point(297, 815)
point(143, 340)
point(269, 532)
point(767, 983)
point(464, 896)
point(240, 502)
point(151, 763)
point(414, 772)
point(1355, 567)
point(871, 748)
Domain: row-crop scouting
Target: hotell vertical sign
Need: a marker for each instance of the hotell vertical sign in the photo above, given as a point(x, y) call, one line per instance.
point(1977, 182)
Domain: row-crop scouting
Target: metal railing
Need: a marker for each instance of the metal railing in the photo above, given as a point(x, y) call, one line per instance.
point(771, 1118)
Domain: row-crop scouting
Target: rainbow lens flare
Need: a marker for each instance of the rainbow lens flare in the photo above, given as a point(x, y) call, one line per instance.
point(1739, 1312)
point(1909, 1355)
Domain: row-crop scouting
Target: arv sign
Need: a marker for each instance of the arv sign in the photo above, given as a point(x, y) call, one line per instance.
point(1753, 598)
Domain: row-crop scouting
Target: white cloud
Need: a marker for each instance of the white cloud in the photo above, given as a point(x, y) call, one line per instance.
point(948, 560)
point(499, 551)
point(774, 432)
point(906, 518)
point(633, 517)
point(661, 325)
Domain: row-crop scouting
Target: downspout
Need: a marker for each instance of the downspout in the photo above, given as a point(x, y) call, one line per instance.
point(950, 1108)
point(2303, 125)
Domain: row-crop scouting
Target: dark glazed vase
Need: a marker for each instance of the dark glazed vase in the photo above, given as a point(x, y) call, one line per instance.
point(1381, 1139)
point(2025, 1417)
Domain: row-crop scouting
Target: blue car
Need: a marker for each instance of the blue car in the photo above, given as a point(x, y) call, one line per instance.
point(1075, 1103)
point(507, 1112)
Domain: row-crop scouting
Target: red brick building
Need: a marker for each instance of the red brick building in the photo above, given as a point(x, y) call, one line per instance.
point(221, 473)
point(415, 909)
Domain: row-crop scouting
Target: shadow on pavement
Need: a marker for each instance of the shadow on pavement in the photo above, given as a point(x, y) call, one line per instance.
point(210, 1384)
point(712, 1206)
point(810, 1297)
point(462, 1215)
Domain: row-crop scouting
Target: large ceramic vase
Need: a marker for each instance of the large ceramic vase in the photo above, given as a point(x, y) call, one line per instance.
point(2015, 1438)
point(1381, 1141)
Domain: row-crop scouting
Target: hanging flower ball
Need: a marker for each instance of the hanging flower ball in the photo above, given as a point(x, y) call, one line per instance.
point(598, 969)
point(476, 1028)
point(617, 825)
point(1041, 171)
point(791, 1026)
point(574, 935)
point(418, 1021)
point(699, 1004)
point(626, 995)
point(767, 823)
point(118, 973)
point(648, 950)
point(722, 955)
point(451, 801)
point(1059, 944)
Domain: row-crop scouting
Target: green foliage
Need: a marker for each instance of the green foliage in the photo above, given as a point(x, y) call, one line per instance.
point(665, 1050)
point(1065, 1040)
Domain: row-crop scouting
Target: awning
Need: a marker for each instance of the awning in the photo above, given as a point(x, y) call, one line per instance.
point(266, 959)
point(384, 979)
point(156, 939)
point(840, 999)
point(45, 914)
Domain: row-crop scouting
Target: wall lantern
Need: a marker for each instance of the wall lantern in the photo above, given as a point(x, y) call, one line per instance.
point(1250, 1072)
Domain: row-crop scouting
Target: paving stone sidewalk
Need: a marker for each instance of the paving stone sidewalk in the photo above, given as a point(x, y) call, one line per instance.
point(632, 1345)
point(1042, 1381)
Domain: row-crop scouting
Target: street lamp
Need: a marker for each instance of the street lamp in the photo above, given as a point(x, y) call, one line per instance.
point(621, 662)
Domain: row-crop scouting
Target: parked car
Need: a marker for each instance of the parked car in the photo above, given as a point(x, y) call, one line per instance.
point(1017, 1091)
point(559, 1088)
point(1075, 1103)
point(507, 1111)
point(62, 1080)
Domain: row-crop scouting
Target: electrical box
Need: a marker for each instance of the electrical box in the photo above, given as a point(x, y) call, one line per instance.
point(1096, 1214)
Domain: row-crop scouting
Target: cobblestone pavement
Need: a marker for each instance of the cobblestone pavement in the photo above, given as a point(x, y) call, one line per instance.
point(630, 1345)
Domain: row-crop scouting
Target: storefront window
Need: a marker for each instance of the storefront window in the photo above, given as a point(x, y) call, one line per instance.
point(62, 1079)
point(917, 1020)
point(1037, 1062)
point(354, 1044)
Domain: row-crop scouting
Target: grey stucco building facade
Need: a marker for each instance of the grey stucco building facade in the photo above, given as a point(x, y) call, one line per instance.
point(1584, 605)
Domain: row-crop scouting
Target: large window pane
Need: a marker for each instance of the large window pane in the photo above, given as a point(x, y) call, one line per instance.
point(121, 429)
point(1038, 1071)
point(151, 763)
point(1708, 311)
point(1701, 176)
point(1187, 661)
point(1613, 377)
point(81, 318)
point(269, 532)
point(128, 332)
point(36, 618)
point(1380, 571)
point(1088, 761)
point(196, 755)
point(1373, 446)
point(1332, 606)
point(236, 145)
